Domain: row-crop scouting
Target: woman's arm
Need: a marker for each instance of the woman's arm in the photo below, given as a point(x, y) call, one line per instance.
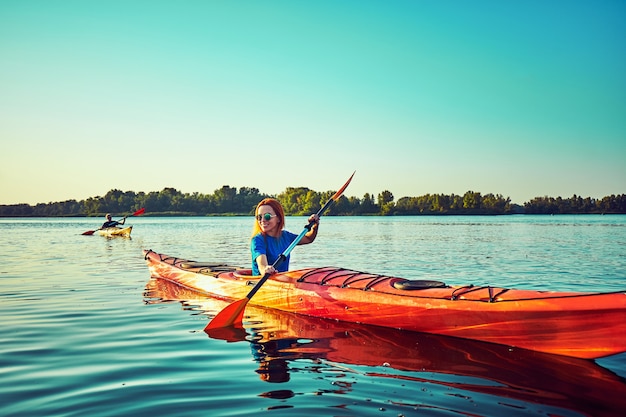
point(310, 236)
point(264, 268)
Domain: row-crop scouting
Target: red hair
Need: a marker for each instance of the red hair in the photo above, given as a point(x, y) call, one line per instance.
point(278, 210)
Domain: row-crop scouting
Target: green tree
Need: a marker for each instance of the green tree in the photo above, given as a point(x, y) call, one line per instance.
point(293, 200)
point(248, 198)
point(472, 200)
point(225, 199)
point(368, 205)
point(385, 202)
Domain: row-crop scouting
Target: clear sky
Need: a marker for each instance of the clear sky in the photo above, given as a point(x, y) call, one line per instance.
point(519, 98)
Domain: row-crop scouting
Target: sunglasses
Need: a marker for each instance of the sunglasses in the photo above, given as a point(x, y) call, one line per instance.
point(267, 217)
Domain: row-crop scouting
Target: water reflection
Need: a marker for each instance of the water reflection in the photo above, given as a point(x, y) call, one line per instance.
point(280, 341)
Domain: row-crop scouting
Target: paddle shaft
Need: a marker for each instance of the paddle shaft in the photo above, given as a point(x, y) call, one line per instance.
point(137, 213)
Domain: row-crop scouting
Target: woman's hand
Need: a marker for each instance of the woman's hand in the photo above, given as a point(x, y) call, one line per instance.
point(269, 269)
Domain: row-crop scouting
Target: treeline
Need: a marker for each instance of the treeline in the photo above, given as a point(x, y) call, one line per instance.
point(613, 204)
point(302, 201)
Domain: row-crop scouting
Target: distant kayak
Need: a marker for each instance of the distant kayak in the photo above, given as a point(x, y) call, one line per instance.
point(583, 325)
point(116, 231)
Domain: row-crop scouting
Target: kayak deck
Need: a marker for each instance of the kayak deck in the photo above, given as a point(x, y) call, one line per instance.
point(586, 325)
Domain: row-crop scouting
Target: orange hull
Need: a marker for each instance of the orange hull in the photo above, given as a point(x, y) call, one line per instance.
point(584, 325)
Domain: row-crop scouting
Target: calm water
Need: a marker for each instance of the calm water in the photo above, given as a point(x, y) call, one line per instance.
point(85, 331)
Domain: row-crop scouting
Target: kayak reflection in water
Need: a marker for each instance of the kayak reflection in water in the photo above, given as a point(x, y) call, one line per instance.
point(281, 341)
point(273, 358)
point(269, 239)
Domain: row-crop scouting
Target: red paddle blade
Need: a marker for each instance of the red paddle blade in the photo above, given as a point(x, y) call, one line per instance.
point(229, 334)
point(88, 233)
point(139, 212)
point(229, 316)
point(342, 189)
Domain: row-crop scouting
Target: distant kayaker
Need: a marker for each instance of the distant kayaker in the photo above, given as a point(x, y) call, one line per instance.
point(269, 239)
point(111, 223)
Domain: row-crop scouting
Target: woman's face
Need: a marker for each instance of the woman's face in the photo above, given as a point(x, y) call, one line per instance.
point(268, 220)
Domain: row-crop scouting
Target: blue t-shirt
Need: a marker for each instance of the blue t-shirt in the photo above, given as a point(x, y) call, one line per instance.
point(271, 247)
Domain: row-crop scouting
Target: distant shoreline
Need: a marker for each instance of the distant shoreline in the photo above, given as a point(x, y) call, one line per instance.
point(229, 201)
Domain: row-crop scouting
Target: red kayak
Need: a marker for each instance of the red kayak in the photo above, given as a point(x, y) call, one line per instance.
point(583, 325)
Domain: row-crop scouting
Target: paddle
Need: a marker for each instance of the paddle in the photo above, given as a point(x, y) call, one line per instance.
point(233, 313)
point(137, 213)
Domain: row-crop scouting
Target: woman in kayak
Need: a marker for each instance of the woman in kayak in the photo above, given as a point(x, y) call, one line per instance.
point(111, 223)
point(269, 240)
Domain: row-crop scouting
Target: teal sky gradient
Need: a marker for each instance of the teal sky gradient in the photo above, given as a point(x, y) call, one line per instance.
point(521, 98)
